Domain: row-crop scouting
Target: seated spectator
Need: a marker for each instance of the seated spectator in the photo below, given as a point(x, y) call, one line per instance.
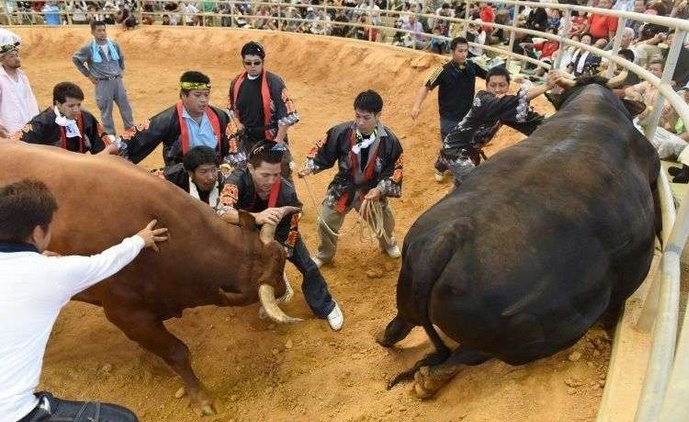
point(476, 34)
point(338, 29)
point(147, 19)
point(321, 26)
point(645, 92)
point(51, 14)
point(436, 44)
point(166, 20)
point(602, 26)
point(414, 38)
point(125, 17)
point(585, 63)
point(577, 25)
point(546, 48)
point(263, 18)
point(568, 52)
point(672, 122)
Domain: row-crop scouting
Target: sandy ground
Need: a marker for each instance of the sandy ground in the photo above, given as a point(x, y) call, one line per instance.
point(263, 372)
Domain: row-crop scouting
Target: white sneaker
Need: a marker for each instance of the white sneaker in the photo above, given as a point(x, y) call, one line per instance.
point(335, 318)
point(319, 262)
point(393, 251)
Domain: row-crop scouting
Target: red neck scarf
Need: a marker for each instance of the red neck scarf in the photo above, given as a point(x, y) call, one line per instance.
point(265, 99)
point(184, 129)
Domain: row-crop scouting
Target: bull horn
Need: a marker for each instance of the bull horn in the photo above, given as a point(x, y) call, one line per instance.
point(267, 233)
point(617, 80)
point(266, 294)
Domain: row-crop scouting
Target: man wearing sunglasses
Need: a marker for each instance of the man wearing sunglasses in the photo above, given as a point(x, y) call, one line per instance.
point(261, 190)
point(189, 123)
point(260, 103)
point(369, 158)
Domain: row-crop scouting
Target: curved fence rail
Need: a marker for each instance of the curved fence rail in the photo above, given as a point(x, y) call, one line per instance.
point(666, 384)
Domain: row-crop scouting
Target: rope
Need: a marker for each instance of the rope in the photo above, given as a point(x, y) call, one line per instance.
point(318, 211)
point(370, 212)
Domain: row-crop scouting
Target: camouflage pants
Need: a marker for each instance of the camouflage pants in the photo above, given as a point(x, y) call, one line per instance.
point(460, 166)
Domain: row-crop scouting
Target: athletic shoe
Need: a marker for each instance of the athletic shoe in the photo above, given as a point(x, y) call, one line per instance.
point(335, 318)
point(439, 176)
point(393, 251)
point(317, 261)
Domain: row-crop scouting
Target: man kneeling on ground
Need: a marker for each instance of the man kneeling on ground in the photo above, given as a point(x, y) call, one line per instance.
point(260, 190)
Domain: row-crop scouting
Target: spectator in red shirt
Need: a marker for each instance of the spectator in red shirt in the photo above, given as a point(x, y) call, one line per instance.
point(600, 26)
point(487, 14)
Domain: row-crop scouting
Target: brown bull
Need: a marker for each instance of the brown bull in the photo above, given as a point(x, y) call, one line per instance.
point(206, 261)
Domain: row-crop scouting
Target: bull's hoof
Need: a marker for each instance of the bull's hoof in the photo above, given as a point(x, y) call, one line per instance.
point(208, 410)
point(382, 340)
point(181, 393)
point(427, 382)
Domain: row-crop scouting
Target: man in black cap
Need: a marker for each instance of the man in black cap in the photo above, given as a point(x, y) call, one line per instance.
point(260, 103)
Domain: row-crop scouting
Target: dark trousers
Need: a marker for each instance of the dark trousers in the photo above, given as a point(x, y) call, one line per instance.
point(446, 125)
point(313, 286)
point(51, 409)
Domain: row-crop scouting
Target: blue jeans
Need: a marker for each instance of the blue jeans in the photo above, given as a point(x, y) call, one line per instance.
point(51, 409)
point(314, 286)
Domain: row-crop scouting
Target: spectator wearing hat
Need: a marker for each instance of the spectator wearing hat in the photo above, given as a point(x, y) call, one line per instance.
point(17, 101)
point(102, 62)
point(261, 105)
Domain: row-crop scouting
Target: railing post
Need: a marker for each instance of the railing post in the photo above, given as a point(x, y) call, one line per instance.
point(621, 24)
point(557, 64)
point(668, 70)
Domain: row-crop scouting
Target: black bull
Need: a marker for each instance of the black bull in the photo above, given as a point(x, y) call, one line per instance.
point(537, 243)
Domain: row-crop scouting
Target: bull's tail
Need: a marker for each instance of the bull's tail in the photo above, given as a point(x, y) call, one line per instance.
point(415, 285)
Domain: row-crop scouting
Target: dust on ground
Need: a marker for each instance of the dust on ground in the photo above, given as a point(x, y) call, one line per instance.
point(260, 371)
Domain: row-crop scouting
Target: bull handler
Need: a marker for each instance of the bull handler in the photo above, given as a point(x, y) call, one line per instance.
point(261, 190)
point(36, 284)
point(369, 158)
point(491, 109)
point(191, 122)
point(67, 125)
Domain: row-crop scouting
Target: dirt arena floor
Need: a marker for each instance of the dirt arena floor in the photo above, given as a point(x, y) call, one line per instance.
point(263, 372)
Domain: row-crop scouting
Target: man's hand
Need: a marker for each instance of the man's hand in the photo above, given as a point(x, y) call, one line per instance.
point(374, 194)
point(151, 236)
point(414, 113)
point(111, 149)
point(303, 172)
point(269, 216)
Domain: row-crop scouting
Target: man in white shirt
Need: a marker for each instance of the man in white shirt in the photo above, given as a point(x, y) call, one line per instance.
point(17, 101)
point(35, 285)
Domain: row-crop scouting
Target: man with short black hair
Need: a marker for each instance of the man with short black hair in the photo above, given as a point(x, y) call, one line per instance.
point(200, 175)
point(491, 109)
point(35, 286)
point(260, 103)
point(369, 158)
point(456, 80)
point(67, 125)
point(270, 198)
point(102, 61)
point(189, 123)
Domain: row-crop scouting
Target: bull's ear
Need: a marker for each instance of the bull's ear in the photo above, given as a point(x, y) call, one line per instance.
point(634, 107)
point(555, 99)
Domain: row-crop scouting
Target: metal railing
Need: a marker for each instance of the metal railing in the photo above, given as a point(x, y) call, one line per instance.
point(666, 385)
